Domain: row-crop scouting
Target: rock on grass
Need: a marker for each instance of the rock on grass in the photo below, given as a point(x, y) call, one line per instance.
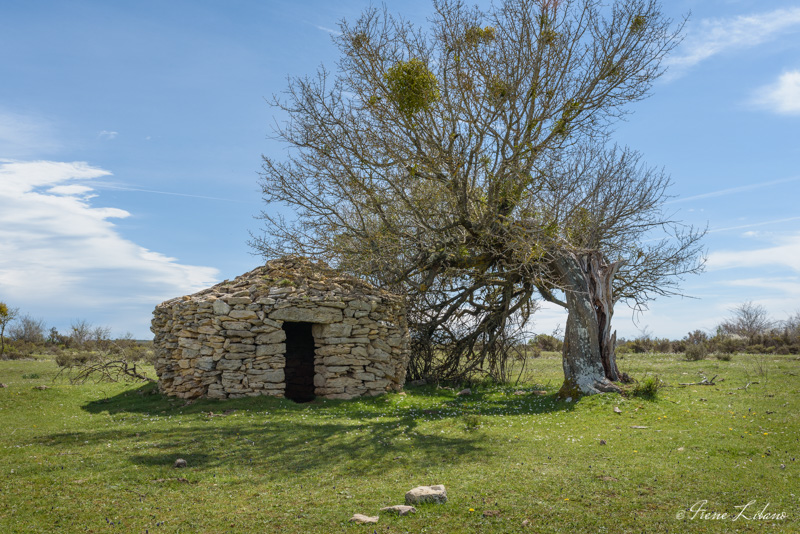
point(400, 509)
point(423, 494)
point(361, 518)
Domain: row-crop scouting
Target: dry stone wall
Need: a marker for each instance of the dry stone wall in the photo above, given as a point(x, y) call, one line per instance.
point(229, 340)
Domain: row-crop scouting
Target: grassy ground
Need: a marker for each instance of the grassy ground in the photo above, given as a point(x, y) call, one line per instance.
point(99, 457)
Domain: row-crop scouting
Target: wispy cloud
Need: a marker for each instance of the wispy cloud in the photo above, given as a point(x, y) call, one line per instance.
point(715, 36)
point(789, 285)
point(106, 134)
point(734, 190)
point(782, 97)
point(60, 252)
point(23, 136)
point(785, 254)
point(779, 295)
point(328, 30)
point(108, 185)
point(754, 225)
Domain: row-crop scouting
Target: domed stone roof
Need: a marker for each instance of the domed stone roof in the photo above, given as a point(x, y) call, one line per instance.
point(292, 327)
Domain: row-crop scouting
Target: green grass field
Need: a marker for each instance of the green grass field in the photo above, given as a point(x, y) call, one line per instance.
point(99, 457)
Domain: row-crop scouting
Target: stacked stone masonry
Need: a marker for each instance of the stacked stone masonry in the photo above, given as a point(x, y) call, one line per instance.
point(229, 341)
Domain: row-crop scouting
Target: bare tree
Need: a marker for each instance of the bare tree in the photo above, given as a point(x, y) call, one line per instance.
point(468, 167)
point(748, 320)
point(101, 337)
point(7, 316)
point(80, 332)
point(28, 329)
point(791, 326)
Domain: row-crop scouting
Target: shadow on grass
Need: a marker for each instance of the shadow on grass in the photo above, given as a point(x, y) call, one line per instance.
point(361, 436)
point(420, 402)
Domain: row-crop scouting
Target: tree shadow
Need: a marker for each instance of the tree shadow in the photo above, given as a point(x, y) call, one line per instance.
point(363, 436)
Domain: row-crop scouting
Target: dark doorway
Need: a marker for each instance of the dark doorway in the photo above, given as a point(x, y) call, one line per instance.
point(299, 369)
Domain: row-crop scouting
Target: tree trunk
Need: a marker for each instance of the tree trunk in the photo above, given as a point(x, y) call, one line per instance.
point(590, 364)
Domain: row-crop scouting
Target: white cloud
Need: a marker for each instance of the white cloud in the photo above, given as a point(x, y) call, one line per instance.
point(715, 36)
point(70, 189)
point(108, 134)
point(782, 97)
point(59, 251)
point(785, 253)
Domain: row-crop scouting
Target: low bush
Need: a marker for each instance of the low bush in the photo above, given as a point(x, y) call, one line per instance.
point(73, 358)
point(648, 388)
point(472, 422)
point(18, 350)
point(696, 352)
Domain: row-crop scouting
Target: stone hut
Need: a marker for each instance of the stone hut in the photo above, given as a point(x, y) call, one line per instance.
point(292, 328)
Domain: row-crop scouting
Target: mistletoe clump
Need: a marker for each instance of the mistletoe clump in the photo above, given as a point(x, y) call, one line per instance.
point(412, 87)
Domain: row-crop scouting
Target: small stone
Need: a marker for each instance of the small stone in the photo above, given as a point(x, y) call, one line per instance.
point(180, 462)
point(361, 519)
point(242, 315)
point(220, 307)
point(309, 315)
point(400, 509)
point(526, 523)
point(422, 494)
point(617, 410)
point(464, 392)
point(568, 399)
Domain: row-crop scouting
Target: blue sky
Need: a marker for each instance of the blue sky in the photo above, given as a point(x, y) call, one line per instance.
point(131, 135)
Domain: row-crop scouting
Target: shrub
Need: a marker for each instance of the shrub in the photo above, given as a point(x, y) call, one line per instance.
point(19, 350)
point(648, 388)
point(623, 349)
point(472, 421)
point(663, 346)
point(696, 337)
point(729, 345)
point(547, 342)
point(74, 358)
point(696, 352)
